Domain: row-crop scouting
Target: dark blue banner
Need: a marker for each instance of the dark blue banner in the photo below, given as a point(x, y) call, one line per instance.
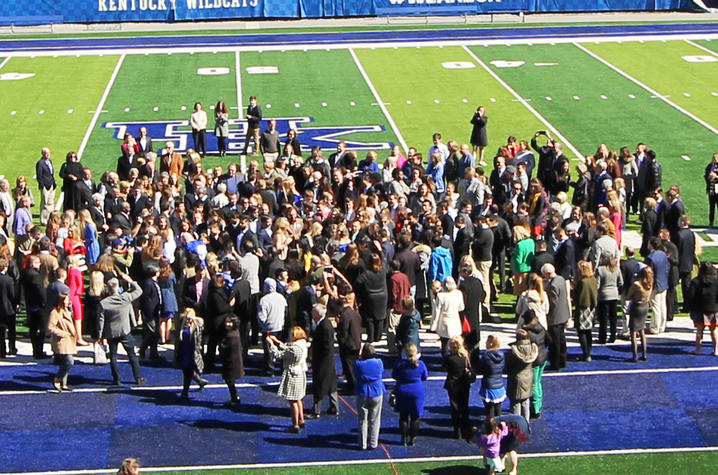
point(34, 12)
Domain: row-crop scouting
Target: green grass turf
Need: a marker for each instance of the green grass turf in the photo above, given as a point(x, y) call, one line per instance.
point(165, 81)
point(311, 79)
point(618, 120)
point(634, 464)
point(333, 28)
point(59, 84)
point(417, 75)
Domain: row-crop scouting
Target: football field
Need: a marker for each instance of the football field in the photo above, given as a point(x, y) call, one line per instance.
point(616, 91)
point(620, 89)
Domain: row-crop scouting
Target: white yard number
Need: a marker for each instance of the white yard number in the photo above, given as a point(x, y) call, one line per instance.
point(212, 71)
point(700, 59)
point(507, 64)
point(458, 65)
point(15, 76)
point(263, 70)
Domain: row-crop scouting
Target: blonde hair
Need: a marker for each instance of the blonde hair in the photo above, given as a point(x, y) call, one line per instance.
point(521, 233)
point(412, 354)
point(97, 283)
point(456, 345)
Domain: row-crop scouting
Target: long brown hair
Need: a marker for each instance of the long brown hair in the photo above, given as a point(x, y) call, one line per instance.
point(645, 278)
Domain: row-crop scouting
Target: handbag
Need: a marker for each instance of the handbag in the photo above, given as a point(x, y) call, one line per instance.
point(469, 373)
point(99, 356)
point(466, 326)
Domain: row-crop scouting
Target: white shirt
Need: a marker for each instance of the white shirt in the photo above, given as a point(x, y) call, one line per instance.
point(198, 120)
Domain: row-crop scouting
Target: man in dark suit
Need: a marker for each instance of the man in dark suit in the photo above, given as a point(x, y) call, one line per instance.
point(45, 173)
point(349, 338)
point(474, 293)
point(462, 242)
point(565, 256)
point(245, 234)
point(674, 210)
point(558, 315)
point(122, 219)
point(686, 256)
point(7, 310)
point(649, 225)
point(144, 142)
point(125, 163)
point(324, 374)
point(115, 324)
point(151, 306)
point(85, 188)
point(35, 295)
point(254, 120)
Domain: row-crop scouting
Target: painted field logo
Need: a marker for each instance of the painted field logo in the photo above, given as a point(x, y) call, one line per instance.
point(179, 132)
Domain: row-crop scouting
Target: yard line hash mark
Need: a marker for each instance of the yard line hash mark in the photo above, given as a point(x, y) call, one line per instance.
point(647, 88)
point(553, 129)
point(378, 99)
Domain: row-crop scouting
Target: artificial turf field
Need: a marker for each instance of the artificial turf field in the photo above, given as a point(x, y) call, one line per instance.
point(659, 91)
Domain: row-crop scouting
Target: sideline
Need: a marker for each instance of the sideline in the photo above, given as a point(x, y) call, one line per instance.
point(457, 458)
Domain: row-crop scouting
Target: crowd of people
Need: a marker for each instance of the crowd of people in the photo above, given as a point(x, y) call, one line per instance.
point(304, 252)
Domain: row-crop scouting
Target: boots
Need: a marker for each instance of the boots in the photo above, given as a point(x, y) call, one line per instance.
point(413, 430)
point(404, 428)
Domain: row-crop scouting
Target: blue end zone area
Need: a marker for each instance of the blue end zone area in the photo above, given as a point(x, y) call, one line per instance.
point(355, 37)
point(608, 404)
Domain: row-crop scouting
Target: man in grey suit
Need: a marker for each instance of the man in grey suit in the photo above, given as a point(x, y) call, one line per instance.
point(114, 324)
point(558, 315)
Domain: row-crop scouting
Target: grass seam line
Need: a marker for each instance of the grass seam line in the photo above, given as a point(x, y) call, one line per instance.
point(382, 106)
point(528, 106)
point(100, 105)
point(647, 88)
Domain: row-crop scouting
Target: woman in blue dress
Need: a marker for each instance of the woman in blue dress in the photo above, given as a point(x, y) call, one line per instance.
point(410, 374)
point(89, 234)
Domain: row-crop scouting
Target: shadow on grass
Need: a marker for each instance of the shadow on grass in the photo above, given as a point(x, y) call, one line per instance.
point(463, 469)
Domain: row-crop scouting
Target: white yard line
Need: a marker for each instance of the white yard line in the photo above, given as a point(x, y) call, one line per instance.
point(98, 110)
point(648, 88)
point(707, 50)
point(4, 62)
point(548, 125)
point(238, 77)
point(454, 458)
point(383, 108)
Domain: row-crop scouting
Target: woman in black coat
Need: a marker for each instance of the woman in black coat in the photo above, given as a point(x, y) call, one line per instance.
point(479, 137)
point(373, 298)
point(458, 385)
point(71, 173)
point(230, 352)
point(217, 310)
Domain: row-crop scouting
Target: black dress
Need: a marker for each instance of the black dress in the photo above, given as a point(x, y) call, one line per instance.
point(72, 195)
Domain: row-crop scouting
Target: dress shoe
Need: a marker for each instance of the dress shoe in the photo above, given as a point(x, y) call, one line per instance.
point(140, 381)
point(333, 412)
point(56, 384)
point(314, 415)
point(202, 383)
point(66, 388)
point(293, 430)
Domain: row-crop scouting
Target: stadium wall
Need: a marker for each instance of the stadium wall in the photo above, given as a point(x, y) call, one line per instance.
point(37, 12)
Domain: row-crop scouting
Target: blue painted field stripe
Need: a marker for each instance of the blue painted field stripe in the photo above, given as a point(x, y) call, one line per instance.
point(355, 37)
